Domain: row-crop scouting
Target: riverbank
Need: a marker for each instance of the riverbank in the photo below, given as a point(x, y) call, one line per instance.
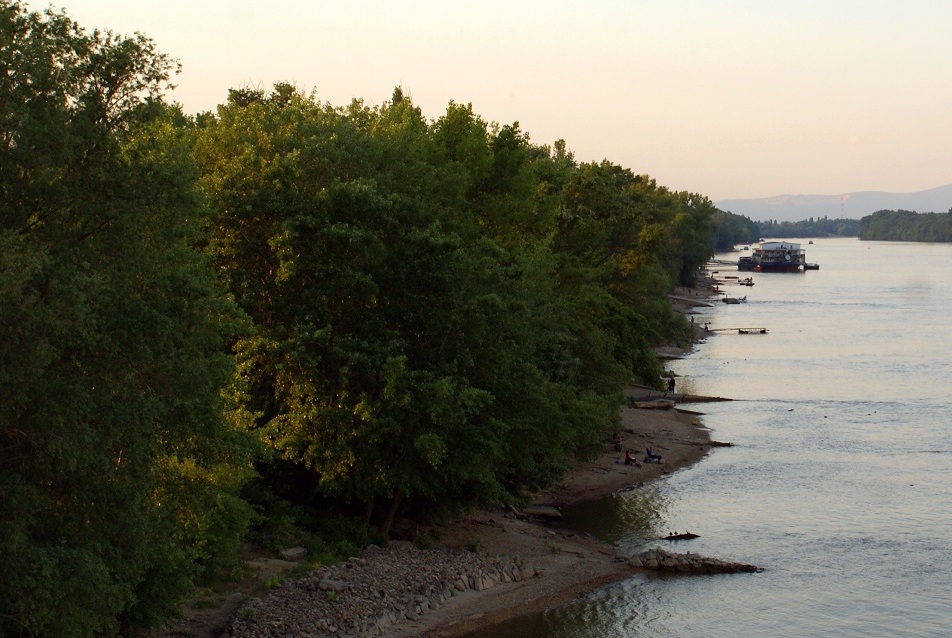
point(490, 566)
point(570, 564)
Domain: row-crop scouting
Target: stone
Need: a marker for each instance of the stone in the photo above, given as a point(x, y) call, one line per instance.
point(294, 553)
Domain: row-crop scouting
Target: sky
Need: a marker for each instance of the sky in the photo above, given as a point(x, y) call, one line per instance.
point(725, 98)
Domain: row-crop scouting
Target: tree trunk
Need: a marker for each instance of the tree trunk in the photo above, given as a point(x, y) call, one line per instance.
point(369, 512)
point(391, 513)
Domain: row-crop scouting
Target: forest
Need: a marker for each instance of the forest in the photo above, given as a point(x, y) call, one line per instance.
point(904, 225)
point(732, 229)
point(289, 321)
point(813, 227)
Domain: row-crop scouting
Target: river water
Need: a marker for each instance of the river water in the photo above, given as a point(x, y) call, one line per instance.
point(839, 483)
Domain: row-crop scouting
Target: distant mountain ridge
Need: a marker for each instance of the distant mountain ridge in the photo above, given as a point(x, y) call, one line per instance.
point(794, 208)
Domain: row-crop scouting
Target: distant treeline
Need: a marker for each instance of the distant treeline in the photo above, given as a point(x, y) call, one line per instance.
point(288, 322)
point(736, 229)
point(884, 225)
point(819, 227)
point(904, 225)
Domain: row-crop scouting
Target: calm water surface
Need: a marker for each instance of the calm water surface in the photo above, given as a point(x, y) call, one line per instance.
point(840, 481)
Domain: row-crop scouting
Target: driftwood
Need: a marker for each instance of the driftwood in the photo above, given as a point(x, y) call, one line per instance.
point(698, 398)
point(673, 536)
point(655, 404)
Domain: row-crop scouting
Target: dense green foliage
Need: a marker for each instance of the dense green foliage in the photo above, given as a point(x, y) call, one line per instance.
point(734, 229)
point(904, 225)
point(819, 227)
point(118, 472)
point(444, 312)
point(317, 310)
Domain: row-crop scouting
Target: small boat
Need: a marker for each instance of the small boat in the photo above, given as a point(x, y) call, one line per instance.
point(735, 299)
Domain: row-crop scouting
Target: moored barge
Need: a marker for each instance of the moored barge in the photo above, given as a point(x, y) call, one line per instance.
point(776, 256)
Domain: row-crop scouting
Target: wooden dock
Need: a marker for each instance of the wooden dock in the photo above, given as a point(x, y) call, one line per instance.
point(743, 331)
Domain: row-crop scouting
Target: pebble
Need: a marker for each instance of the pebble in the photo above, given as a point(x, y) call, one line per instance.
point(367, 596)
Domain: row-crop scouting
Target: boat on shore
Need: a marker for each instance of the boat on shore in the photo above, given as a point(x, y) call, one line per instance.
point(776, 256)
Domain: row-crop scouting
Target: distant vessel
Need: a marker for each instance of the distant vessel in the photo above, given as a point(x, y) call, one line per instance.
point(776, 256)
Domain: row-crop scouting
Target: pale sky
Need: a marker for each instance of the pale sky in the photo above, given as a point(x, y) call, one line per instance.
point(726, 98)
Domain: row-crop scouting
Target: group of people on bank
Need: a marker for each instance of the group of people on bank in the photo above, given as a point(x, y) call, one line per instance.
point(631, 457)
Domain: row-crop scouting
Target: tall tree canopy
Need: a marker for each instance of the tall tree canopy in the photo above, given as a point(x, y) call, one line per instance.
point(116, 470)
point(403, 314)
point(444, 312)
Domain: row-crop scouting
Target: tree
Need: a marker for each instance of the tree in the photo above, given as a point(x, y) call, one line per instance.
point(117, 468)
point(904, 225)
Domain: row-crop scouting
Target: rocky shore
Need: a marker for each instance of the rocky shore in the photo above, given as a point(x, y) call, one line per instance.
point(372, 595)
point(394, 587)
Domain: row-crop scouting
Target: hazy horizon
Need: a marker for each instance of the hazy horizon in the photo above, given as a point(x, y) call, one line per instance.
point(727, 98)
point(854, 205)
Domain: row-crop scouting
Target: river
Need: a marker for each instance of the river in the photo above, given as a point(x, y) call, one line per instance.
point(839, 482)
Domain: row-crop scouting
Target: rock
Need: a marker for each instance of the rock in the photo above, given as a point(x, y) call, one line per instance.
point(334, 585)
point(659, 559)
point(294, 553)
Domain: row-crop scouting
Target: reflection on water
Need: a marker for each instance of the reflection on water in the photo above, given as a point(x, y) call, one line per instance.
point(625, 519)
point(595, 615)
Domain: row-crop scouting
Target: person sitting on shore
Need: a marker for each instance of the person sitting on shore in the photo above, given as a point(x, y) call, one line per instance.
point(651, 457)
point(631, 459)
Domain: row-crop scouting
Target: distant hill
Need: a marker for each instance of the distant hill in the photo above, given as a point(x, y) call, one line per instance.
point(794, 208)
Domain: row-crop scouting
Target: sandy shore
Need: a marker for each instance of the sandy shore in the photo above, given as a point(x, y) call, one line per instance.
point(571, 564)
